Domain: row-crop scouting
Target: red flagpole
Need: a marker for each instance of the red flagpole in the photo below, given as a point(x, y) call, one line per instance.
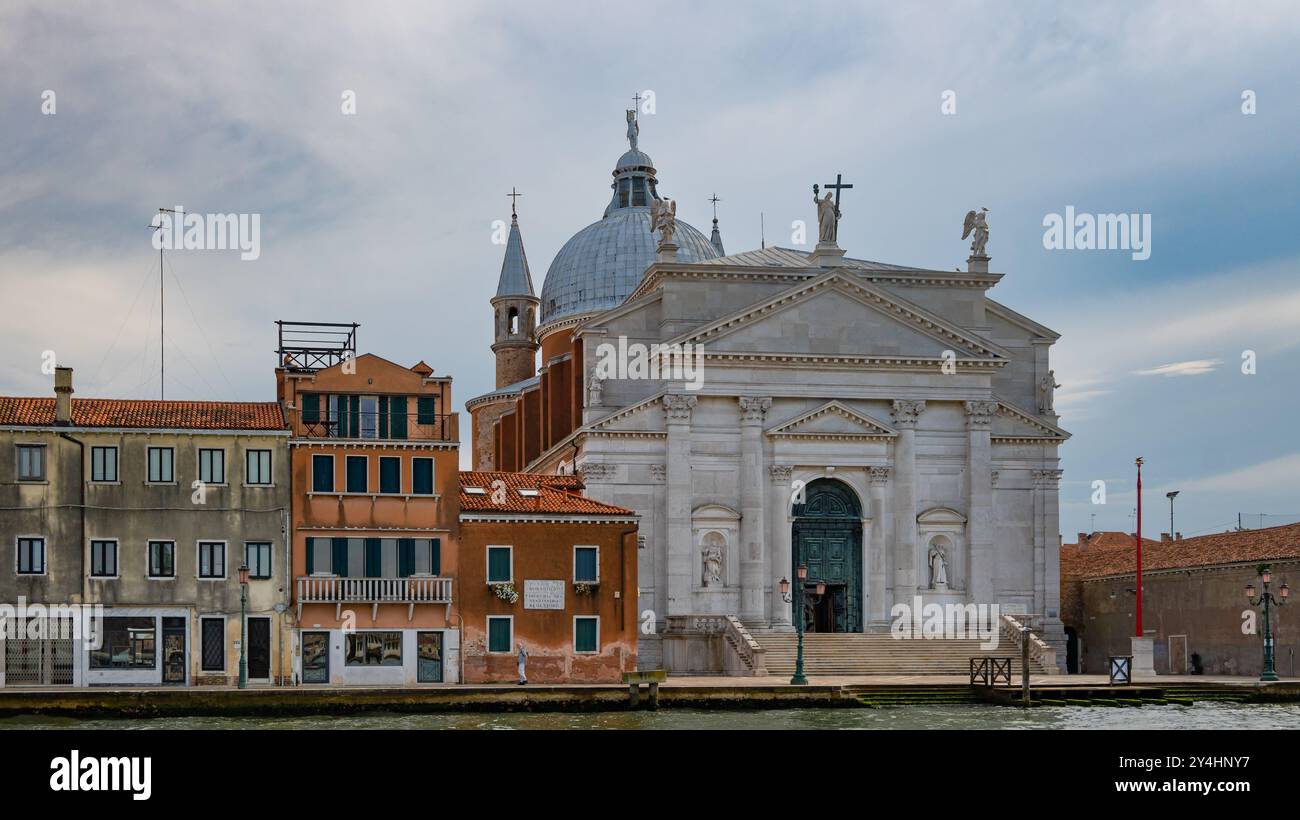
point(1138, 541)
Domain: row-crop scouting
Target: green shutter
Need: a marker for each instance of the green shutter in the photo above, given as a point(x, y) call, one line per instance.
point(435, 564)
point(397, 409)
point(310, 550)
point(426, 407)
point(585, 638)
point(422, 476)
point(405, 556)
point(354, 416)
point(310, 408)
point(374, 559)
point(340, 548)
point(498, 565)
point(383, 417)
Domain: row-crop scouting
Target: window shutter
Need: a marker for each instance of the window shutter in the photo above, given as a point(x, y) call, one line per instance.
point(354, 417)
point(383, 417)
point(397, 409)
point(425, 407)
point(310, 557)
point(435, 564)
point(340, 549)
point(374, 559)
point(405, 556)
point(310, 408)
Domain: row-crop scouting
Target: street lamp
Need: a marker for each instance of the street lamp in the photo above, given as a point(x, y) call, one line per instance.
point(1269, 600)
point(802, 570)
point(243, 626)
point(1171, 496)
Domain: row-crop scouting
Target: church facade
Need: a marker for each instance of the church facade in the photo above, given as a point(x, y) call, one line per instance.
point(890, 428)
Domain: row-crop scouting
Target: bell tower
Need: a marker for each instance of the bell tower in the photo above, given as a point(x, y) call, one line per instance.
point(515, 311)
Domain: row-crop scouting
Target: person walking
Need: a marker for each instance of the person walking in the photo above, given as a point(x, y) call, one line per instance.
point(523, 659)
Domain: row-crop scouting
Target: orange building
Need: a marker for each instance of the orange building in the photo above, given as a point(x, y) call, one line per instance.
point(544, 566)
point(374, 460)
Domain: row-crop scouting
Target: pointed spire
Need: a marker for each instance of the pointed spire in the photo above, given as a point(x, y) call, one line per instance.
point(516, 279)
point(716, 239)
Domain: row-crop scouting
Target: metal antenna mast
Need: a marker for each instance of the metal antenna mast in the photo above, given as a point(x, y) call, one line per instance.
point(162, 308)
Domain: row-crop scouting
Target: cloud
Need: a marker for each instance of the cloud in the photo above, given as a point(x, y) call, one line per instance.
point(1197, 367)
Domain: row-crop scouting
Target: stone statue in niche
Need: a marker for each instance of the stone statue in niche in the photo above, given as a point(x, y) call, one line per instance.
point(595, 386)
point(712, 565)
point(938, 567)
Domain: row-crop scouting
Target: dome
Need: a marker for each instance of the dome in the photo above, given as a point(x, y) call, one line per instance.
point(603, 263)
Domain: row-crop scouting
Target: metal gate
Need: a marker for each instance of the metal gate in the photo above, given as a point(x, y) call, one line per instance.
point(40, 661)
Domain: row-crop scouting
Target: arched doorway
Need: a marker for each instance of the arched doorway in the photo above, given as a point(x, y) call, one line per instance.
point(828, 538)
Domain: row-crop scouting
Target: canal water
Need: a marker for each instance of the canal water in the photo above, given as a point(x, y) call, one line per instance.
point(1198, 716)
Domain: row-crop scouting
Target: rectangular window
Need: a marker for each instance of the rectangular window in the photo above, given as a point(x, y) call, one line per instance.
point(586, 634)
point(212, 559)
point(338, 409)
point(259, 467)
point(422, 476)
point(357, 466)
point(127, 643)
point(586, 565)
point(213, 653)
point(426, 410)
point(103, 559)
point(374, 649)
point(369, 417)
point(162, 559)
point(500, 565)
point(31, 462)
point(501, 633)
point(320, 556)
point(31, 556)
point(390, 474)
point(103, 464)
point(257, 556)
point(212, 466)
point(428, 558)
point(161, 462)
point(322, 474)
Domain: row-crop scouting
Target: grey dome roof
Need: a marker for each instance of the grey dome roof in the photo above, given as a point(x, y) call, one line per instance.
point(603, 263)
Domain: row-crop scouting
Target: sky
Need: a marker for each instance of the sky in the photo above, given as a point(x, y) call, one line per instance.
point(385, 216)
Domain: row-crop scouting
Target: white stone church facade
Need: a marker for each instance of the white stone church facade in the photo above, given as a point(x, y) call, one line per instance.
point(887, 426)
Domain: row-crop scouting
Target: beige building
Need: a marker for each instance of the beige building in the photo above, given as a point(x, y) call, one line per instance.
point(142, 512)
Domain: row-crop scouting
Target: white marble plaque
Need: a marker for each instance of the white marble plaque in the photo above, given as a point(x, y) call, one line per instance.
point(543, 594)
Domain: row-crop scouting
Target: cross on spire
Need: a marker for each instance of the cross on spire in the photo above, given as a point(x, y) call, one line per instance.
point(514, 197)
point(714, 199)
point(837, 187)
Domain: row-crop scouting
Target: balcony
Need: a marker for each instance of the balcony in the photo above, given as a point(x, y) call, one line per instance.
point(374, 591)
point(370, 426)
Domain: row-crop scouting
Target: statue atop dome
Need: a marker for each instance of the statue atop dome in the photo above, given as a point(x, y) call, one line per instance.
point(633, 128)
point(663, 218)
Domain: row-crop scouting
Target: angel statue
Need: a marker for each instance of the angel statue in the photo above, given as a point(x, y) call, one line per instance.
point(976, 222)
point(663, 218)
point(633, 127)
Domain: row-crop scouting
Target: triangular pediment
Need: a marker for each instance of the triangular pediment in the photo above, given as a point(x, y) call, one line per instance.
point(832, 420)
point(839, 314)
point(645, 416)
point(1013, 423)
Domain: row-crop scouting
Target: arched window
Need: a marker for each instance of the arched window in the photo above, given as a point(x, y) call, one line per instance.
point(513, 320)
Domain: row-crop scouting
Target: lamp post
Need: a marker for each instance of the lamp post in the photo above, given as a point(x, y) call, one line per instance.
point(798, 679)
point(1137, 540)
point(243, 626)
point(1171, 496)
point(1269, 600)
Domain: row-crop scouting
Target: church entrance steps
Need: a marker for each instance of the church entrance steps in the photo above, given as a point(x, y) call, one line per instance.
point(881, 654)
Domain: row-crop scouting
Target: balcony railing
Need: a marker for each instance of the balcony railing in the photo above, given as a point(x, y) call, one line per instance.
point(419, 427)
point(374, 591)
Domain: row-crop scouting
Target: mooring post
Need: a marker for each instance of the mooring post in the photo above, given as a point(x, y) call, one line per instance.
point(1024, 665)
point(633, 695)
point(654, 694)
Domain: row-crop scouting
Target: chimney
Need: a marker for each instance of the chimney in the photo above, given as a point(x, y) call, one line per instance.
point(1165, 538)
point(63, 396)
point(1178, 536)
point(1083, 540)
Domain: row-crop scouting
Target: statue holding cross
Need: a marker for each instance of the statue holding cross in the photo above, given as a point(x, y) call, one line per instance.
point(828, 210)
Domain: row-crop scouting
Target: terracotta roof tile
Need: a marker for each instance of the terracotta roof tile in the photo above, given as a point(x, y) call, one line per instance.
point(557, 494)
point(175, 415)
point(1245, 546)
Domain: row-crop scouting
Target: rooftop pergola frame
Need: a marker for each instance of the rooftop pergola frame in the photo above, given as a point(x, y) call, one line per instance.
point(306, 347)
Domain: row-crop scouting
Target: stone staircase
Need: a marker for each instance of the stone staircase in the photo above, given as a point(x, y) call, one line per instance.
point(881, 654)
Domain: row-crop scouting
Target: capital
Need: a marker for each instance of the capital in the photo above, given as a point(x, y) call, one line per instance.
point(780, 473)
point(979, 414)
point(752, 410)
point(907, 411)
point(678, 407)
point(879, 475)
